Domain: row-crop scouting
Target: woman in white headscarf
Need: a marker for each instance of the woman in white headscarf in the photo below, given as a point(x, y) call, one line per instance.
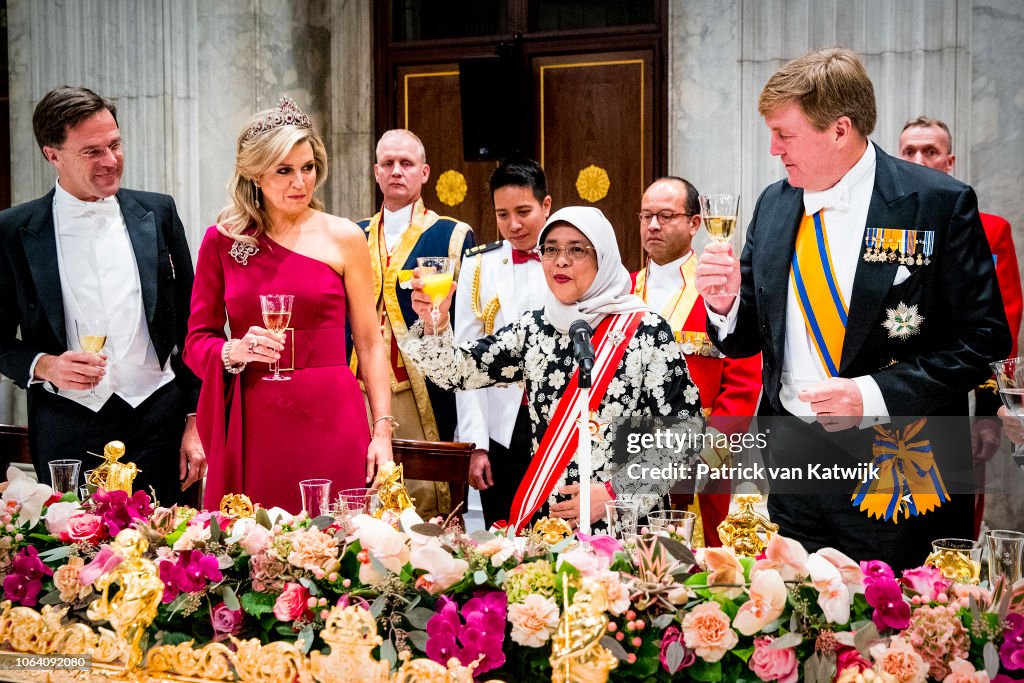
point(639, 371)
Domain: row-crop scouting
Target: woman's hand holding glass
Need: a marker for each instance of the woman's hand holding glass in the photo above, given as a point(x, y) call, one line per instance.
point(425, 306)
point(258, 345)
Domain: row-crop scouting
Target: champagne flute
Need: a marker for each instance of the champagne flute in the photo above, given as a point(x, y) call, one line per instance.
point(277, 313)
point(92, 335)
point(437, 273)
point(719, 213)
point(1009, 376)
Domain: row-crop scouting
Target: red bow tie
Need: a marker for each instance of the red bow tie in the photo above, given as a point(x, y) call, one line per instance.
point(524, 255)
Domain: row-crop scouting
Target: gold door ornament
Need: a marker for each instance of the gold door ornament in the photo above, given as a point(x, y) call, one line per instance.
point(593, 183)
point(451, 188)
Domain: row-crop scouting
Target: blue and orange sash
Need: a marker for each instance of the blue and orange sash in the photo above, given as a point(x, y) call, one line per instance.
point(818, 294)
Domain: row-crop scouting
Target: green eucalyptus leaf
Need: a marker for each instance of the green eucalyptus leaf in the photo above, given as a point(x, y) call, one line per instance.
point(418, 639)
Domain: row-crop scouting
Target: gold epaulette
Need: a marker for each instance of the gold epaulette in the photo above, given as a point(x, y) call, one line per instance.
point(489, 312)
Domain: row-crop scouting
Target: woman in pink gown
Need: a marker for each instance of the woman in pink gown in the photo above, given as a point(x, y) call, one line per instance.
point(262, 438)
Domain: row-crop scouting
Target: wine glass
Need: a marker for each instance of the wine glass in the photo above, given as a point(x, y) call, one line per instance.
point(719, 213)
point(92, 335)
point(1009, 376)
point(277, 313)
point(436, 272)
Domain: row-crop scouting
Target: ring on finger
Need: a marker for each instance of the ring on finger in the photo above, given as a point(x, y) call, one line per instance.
point(253, 343)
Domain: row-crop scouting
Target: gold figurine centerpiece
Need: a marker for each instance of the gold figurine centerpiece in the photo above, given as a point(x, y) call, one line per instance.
point(114, 475)
point(394, 497)
point(577, 655)
point(747, 531)
point(237, 506)
point(132, 606)
point(550, 531)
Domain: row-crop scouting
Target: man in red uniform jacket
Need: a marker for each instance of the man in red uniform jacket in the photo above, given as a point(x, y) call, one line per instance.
point(927, 142)
point(729, 388)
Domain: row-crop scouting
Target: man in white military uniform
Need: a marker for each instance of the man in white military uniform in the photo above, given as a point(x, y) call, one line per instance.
point(499, 282)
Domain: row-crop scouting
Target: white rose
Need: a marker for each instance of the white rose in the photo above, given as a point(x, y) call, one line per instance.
point(57, 516)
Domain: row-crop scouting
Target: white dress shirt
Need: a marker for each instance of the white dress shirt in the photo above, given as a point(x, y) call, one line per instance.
point(99, 280)
point(663, 283)
point(395, 223)
point(845, 212)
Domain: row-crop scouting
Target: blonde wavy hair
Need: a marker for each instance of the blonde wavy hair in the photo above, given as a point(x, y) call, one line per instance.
point(255, 157)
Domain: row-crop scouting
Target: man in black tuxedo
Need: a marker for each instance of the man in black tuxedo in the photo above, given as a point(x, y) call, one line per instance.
point(89, 251)
point(868, 286)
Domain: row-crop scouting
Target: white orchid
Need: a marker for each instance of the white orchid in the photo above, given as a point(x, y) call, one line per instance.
point(27, 493)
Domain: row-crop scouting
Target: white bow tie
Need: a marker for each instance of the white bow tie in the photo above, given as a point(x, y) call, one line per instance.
point(836, 197)
point(73, 210)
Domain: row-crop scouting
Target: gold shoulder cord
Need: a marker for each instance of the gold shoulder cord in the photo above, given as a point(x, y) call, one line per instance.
point(490, 311)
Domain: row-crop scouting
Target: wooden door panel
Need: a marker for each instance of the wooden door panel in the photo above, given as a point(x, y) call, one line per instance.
point(593, 135)
point(430, 106)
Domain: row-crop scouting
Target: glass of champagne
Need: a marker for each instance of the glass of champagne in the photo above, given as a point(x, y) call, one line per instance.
point(719, 213)
point(277, 313)
point(436, 273)
point(92, 335)
point(1009, 376)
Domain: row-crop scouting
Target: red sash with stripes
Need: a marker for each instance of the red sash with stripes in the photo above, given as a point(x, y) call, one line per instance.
point(562, 435)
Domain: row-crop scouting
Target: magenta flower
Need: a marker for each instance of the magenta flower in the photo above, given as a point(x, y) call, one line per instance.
point(876, 569)
point(891, 610)
point(119, 511)
point(1011, 652)
point(482, 632)
point(25, 581)
point(602, 543)
point(190, 574)
point(671, 636)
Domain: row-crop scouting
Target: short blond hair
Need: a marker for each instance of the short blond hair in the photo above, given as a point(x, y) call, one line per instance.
point(405, 133)
point(828, 84)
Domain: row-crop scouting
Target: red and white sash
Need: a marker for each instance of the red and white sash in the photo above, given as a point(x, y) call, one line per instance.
point(562, 435)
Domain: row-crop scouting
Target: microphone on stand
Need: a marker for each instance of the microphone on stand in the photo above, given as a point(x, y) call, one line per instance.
point(582, 350)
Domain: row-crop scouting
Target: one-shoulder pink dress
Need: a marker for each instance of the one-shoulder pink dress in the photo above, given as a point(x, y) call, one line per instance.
point(263, 438)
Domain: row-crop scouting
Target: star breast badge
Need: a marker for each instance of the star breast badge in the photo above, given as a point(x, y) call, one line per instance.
point(903, 321)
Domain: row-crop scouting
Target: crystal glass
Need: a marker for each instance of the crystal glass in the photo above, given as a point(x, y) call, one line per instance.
point(1005, 549)
point(958, 559)
point(673, 522)
point(277, 313)
point(92, 336)
point(1009, 376)
point(64, 475)
point(622, 516)
point(719, 212)
point(436, 272)
point(316, 496)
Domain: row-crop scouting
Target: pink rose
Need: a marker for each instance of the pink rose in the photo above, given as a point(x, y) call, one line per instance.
point(773, 664)
point(84, 528)
point(926, 580)
point(226, 622)
point(847, 657)
point(292, 604)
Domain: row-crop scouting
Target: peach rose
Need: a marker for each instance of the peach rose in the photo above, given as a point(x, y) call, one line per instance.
point(312, 549)
point(706, 631)
point(533, 620)
point(615, 591)
point(66, 580)
point(962, 671)
point(900, 660)
point(292, 603)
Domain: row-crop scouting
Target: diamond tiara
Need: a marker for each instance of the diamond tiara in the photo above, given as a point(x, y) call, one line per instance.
point(286, 114)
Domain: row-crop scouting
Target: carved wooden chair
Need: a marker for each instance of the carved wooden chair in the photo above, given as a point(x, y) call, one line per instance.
point(436, 461)
point(13, 446)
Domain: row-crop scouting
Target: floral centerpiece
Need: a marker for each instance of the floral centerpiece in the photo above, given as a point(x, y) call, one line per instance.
point(493, 601)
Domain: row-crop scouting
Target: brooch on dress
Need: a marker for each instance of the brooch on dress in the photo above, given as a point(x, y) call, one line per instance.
point(617, 337)
point(903, 321)
point(241, 251)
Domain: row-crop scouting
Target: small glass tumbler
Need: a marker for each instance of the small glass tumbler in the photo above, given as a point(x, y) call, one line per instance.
point(1005, 549)
point(673, 522)
point(316, 496)
point(622, 516)
point(64, 475)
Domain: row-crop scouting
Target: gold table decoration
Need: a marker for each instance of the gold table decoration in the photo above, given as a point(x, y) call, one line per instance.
point(577, 655)
point(550, 531)
point(747, 531)
point(394, 497)
point(237, 506)
point(113, 475)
